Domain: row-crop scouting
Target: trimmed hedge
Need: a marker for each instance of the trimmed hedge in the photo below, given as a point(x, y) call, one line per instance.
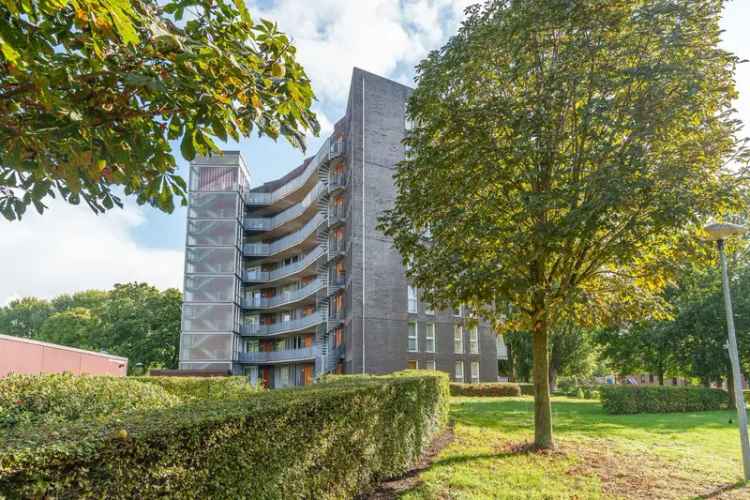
point(625, 399)
point(55, 398)
point(527, 389)
point(328, 440)
point(486, 390)
point(203, 388)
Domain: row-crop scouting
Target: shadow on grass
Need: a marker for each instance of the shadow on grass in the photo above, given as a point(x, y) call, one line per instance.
point(583, 417)
point(716, 493)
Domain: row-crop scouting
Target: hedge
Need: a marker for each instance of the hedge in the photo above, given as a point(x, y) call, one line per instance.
point(624, 399)
point(527, 389)
point(486, 390)
point(205, 388)
point(328, 440)
point(40, 399)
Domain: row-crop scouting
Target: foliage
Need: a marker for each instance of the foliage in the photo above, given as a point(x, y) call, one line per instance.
point(486, 390)
point(203, 388)
point(54, 399)
point(624, 399)
point(92, 93)
point(134, 320)
point(527, 389)
point(562, 155)
point(327, 440)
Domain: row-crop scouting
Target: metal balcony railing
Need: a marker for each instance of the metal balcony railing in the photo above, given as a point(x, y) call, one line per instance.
point(294, 325)
point(337, 214)
point(288, 241)
point(323, 155)
point(278, 220)
point(250, 302)
point(338, 181)
point(336, 246)
point(284, 271)
point(279, 356)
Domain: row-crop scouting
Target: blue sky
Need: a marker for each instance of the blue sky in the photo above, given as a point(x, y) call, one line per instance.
point(69, 248)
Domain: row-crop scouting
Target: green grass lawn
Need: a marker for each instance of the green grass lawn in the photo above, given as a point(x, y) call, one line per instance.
point(678, 455)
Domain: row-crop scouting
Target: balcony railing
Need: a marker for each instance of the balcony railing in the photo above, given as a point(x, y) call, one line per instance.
point(294, 325)
point(288, 241)
point(269, 223)
point(250, 302)
point(336, 246)
point(337, 214)
point(279, 356)
point(323, 155)
point(338, 181)
point(284, 271)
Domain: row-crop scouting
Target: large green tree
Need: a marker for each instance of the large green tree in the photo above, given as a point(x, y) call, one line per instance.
point(560, 153)
point(24, 317)
point(92, 92)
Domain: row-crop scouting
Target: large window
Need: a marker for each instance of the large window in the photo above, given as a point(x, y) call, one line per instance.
point(429, 337)
point(413, 343)
point(474, 340)
point(458, 339)
point(475, 372)
point(429, 364)
point(412, 299)
point(458, 374)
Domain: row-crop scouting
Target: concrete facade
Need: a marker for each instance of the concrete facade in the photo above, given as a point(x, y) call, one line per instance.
point(348, 309)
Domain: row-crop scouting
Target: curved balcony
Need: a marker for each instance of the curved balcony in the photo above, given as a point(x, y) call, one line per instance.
point(337, 215)
point(278, 246)
point(295, 325)
point(284, 298)
point(287, 356)
point(338, 182)
point(336, 248)
point(285, 271)
point(329, 150)
point(278, 220)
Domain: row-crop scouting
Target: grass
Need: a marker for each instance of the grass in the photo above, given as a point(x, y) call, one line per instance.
point(685, 455)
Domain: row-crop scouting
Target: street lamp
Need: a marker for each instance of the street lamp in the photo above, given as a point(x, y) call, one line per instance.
point(719, 232)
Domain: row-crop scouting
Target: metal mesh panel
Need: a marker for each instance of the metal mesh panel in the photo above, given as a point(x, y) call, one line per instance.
point(208, 317)
point(213, 206)
point(204, 232)
point(204, 178)
point(206, 347)
point(210, 288)
point(211, 260)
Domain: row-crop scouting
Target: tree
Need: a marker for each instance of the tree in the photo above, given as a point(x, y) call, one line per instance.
point(92, 92)
point(24, 317)
point(75, 327)
point(560, 156)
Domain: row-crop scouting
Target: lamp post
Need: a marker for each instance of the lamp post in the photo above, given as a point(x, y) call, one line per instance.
point(718, 233)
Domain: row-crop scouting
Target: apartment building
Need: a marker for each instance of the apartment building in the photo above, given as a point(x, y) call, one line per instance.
point(291, 279)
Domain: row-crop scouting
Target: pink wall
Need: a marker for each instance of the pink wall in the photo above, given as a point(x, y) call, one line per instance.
point(32, 357)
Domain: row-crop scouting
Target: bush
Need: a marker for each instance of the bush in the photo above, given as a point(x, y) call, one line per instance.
point(527, 389)
point(579, 393)
point(328, 440)
point(47, 399)
point(205, 388)
point(486, 390)
point(623, 399)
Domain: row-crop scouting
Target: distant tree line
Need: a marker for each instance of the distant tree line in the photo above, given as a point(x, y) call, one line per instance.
point(135, 320)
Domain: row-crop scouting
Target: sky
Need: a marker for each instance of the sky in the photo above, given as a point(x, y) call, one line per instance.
point(69, 248)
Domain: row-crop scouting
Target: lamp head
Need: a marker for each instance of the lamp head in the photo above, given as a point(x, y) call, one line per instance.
point(723, 230)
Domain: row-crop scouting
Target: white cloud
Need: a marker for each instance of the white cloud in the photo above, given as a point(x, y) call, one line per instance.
point(333, 36)
point(69, 248)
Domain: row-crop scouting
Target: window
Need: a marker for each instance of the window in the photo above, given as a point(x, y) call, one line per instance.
point(429, 364)
point(475, 372)
point(428, 309)
point(474, 340)
point(458, 339)
point(429, 337)
point(457, 311)
point(412, 364)
point(412, 299)
point(413, 344)
point(458, 375)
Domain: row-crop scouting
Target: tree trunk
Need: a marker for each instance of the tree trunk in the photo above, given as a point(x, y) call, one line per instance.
point(552, 378)
point(660, 374)
point(542, 403)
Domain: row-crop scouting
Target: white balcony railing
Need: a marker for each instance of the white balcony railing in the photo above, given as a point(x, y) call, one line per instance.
point(251, 302)
point(279, 356)
point(288, 241)
point(283, 326)
point(285, 271)
point(278, 220)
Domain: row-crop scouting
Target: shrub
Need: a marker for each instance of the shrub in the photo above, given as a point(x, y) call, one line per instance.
point(486, 390)
point(40, 399)
point(623, 399)
point(527, 389)
point(328, 440)
point(205, 388)
point(579, 393)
